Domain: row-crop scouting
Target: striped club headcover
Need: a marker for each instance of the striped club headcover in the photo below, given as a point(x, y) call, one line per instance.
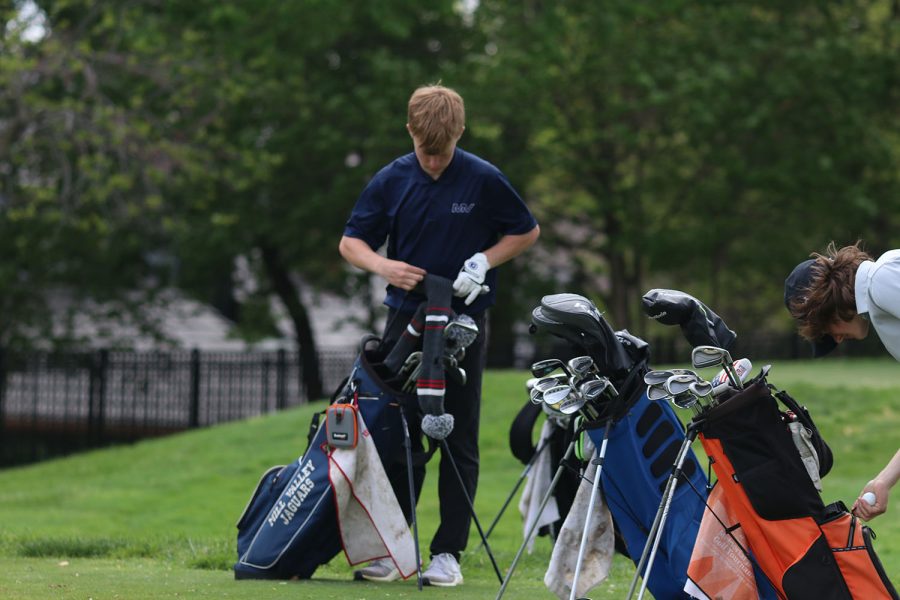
point(408, 341)
point(430, 387)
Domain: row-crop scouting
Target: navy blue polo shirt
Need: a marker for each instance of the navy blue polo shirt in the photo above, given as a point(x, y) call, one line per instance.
point(438, 224)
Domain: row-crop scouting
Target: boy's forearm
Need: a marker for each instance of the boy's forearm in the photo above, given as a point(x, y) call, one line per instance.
point(358, 253)
point(510, 246)
point(891, 473)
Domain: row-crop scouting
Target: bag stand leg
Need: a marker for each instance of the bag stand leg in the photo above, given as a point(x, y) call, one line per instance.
point(544, 501)
point(662, 514)
point(407, 444)
point(509, 498)
point(446, 448)
point(598, 460)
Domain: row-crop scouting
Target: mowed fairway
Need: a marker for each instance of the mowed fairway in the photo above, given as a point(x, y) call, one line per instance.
point(156, 519)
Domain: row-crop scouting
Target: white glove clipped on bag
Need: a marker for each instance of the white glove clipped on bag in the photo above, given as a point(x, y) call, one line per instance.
point(470, 281)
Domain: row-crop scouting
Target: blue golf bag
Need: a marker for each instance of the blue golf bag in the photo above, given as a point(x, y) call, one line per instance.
point(290, 527)
point(644, 439)
point(641, 452)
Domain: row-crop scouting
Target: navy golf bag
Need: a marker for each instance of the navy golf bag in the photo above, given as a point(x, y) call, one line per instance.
point(642, 448)
point(643, 443)
point(290, 527)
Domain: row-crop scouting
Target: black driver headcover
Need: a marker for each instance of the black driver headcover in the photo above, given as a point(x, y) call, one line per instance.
point(699, 324)
point(575, 318)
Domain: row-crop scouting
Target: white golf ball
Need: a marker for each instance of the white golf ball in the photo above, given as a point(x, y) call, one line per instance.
point(869, 497)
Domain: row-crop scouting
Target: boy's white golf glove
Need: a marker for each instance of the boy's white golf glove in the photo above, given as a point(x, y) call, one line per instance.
point(470, 281)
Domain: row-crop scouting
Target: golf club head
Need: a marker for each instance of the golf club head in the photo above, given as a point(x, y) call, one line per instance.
point(684, 400)
point(556, 417)
point(461, 331)
point(593, 389)
point(709, 356)
point(703, 391)
point(529, 383)
point(658, 377)
point(457, 375)
point(410, 386)
point(679, 383)
point(581, 365)
point(449, 362)
point(572, 404)
point(657, 391)
point(460, 354)
point(555, 396)
point(545, 383)
point(542, 368)
point(701, 388)
point(410, 363)
point(536, 396)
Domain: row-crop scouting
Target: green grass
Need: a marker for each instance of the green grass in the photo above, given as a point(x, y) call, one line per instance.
point(156, 519)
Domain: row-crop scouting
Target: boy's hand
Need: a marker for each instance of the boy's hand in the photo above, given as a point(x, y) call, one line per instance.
point(470, 281)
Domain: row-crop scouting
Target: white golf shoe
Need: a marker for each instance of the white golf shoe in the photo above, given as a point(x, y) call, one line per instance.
point(382, 569)
point(443, 571)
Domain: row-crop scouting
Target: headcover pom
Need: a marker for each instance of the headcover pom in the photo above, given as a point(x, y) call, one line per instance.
point(437, 427)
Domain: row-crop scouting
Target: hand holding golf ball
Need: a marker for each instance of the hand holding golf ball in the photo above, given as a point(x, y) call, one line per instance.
point(870, 503)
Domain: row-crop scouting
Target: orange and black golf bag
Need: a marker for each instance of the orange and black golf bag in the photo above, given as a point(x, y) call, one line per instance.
point(806, 549)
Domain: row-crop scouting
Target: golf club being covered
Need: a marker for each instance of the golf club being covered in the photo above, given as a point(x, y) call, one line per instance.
point(699, 324)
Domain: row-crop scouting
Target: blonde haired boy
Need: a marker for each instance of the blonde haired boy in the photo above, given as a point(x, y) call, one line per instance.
point(444, 211)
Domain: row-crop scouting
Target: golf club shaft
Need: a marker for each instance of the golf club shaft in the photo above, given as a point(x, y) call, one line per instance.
point(509, 498)
point(735, 378)
point(445, 447)
point(661, 515)
point(544, 501)
point(587, 521)
point(407, 443)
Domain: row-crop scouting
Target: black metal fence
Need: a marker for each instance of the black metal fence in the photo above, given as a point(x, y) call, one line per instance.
point(52, 404)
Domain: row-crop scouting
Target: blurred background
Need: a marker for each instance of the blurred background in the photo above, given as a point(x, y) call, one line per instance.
point(175, 176)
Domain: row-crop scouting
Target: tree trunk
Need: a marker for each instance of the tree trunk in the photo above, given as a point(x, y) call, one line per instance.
point(501, 341)
point(310, 375)
point(619, 292)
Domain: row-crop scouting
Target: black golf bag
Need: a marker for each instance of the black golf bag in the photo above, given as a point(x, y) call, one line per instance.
point(561, 433)
point(643, 442)
point(807, 549)
point(290, 526)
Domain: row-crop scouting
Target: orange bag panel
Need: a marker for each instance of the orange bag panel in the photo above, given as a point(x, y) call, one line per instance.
point(780, 545)
point(776, 545)
point(845, 537)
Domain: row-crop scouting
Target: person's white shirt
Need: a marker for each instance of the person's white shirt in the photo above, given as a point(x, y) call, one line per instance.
point(877, 291)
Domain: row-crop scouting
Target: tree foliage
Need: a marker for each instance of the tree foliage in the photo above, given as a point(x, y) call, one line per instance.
point(706, 146)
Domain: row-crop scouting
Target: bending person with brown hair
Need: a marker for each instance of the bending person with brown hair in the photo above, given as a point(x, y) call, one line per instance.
point(836, 296)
